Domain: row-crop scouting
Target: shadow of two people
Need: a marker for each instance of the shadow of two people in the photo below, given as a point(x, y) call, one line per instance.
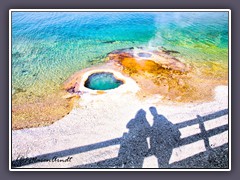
point(134, 146)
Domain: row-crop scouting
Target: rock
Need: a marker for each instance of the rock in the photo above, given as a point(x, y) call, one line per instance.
point(24, 72)
point(18, 90)
point(17, 55)
point(108, 42)
point(13, 91)
point(71, 89)
point(170, 51)
point(68, 96)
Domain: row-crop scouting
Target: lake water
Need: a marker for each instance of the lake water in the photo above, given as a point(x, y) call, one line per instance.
point(48, 47)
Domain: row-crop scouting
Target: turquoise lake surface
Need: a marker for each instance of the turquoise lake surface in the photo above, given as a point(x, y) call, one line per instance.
point(48, 47)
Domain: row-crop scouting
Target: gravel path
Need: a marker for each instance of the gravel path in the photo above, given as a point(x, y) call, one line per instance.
point(120, 131)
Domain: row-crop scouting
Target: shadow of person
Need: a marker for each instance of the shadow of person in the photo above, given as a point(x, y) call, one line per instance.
point(164, 137)
point(134, 146)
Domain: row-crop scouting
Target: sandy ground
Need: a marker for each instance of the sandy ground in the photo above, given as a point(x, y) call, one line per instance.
point(115, 130)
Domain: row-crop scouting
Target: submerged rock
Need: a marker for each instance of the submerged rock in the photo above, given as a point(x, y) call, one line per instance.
point(108, 42)
point(19, 90)
point(24, 72)
point(170, 51)
point(17, 55)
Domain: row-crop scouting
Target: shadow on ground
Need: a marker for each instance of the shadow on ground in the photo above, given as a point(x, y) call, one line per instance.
point(164, 137)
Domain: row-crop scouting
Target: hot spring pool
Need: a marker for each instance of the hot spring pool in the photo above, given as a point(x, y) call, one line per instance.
point(144, 55)
point(102, 81)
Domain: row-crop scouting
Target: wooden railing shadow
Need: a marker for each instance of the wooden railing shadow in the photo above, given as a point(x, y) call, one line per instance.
point(214, 158)
point(133, 150)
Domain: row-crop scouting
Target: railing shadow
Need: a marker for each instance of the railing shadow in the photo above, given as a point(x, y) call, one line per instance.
point(164, 137)
point(212, 158)
point(32, 160)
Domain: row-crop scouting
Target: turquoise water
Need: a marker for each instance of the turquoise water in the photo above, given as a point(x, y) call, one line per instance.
point(102, 81)
point(48, 47)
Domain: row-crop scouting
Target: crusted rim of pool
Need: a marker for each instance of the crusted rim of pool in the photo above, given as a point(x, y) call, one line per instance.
point(129, 85)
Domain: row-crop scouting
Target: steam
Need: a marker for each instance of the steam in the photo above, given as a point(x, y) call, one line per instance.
point(157, 40)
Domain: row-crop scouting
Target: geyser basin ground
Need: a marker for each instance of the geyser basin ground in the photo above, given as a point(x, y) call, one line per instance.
point(164, 74)
point(102, 81)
